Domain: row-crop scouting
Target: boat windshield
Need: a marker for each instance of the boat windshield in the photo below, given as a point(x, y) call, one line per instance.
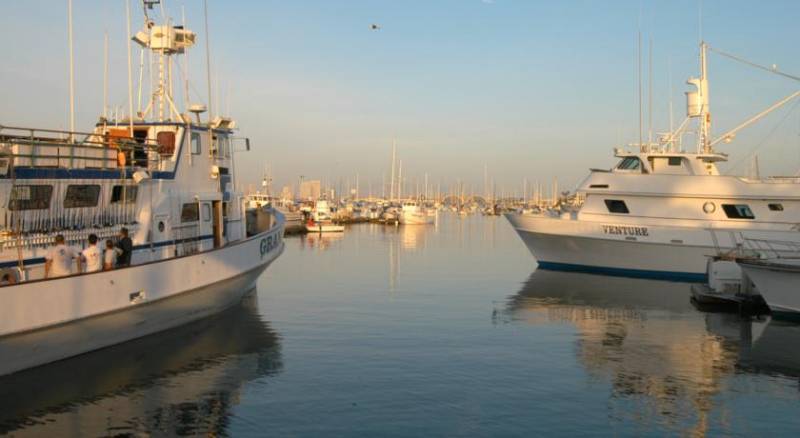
point(630, 163)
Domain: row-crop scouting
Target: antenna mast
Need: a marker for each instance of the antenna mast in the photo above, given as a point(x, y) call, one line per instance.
point(71, 74)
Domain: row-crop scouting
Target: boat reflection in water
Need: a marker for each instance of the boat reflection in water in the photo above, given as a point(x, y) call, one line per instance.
point(766, 346)
point(179, 382)
point(666, 362)
point(320, 241)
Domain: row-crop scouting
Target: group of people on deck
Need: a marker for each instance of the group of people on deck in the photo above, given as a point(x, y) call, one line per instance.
point(58, 261)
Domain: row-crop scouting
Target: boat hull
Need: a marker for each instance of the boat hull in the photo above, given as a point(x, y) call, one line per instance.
point(46, 321)
point(777, 283)
point(569, 245)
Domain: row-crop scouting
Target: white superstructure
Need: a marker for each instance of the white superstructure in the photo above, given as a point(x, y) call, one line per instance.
point(661, 210)
point(165, 176)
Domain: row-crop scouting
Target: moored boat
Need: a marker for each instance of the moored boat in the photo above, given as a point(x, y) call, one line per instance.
point(775, 272)
point(414, 213)
point(163, 177)
point(649, 215)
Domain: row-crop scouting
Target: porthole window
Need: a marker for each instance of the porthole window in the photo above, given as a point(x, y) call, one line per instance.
point(206, 212)
point(776, 207)
point(616, 206)
point(709, 207)
point(161, 227)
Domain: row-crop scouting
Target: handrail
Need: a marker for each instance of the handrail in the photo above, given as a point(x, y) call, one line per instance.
point(778, 249)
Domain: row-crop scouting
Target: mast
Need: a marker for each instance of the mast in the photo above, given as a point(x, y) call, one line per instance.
point(391, 183)
point(705, 131)
point(641, 141)
point(71, 76)
point(697, 104)
point(400, 179)
point(105, 75)
point(130, 73)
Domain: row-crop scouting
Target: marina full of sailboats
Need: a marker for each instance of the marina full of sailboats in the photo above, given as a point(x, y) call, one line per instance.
point(165, 177)
point(662, 210)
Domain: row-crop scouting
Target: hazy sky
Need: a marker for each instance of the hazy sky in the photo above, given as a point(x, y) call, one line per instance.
point(530, 89)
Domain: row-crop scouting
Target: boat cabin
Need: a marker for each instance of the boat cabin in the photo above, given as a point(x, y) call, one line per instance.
point(668, 163)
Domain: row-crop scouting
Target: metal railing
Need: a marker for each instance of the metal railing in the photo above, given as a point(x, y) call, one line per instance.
point(37, 147)
point(773, 249)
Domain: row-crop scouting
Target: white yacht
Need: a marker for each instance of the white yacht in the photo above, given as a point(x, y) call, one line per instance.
point(414, 213)
point(661, 209)
point(168, 178)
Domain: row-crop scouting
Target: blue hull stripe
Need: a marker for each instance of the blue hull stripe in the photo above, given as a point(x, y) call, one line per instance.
point(59, 173)
point(40, 260)
point(687, 277)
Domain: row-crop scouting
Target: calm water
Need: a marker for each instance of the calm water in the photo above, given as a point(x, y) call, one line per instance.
point(419, 331)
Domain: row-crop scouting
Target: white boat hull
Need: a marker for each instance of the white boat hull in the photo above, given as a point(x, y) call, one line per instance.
point(49, 320)
point(778, 284)
point(645, 251)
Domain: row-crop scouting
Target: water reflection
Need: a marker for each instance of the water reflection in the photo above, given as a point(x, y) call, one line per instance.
point(642, 337)
point(765, 346)
point(180, 382)
point(320, 241)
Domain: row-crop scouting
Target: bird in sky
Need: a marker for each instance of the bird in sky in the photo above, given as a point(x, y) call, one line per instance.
point(374, 27)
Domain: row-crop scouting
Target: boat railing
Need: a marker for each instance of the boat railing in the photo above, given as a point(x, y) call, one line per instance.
point(51, 148)
point(773, 249)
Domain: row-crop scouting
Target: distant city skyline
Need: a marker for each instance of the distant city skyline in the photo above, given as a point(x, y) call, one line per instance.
point(527, 90)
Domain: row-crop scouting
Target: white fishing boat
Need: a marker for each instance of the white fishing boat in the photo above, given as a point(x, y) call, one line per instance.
point(649, 215)
point(775, 272)
point(321, 220)
point(413, 213)
point(166, 177)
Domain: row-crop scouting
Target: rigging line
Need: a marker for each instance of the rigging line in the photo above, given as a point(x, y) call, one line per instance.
point(753, 64)
point(763, 142)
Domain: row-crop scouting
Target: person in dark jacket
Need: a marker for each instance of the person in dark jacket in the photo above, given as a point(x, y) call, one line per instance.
point(125, 244)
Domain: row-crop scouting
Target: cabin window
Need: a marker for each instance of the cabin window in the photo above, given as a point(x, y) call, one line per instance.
point(206, 212)
point(196, 148)
point(30, 197)
point(190, 212)
point(630, 163)
point(83, 195)
point(674, 161)
point(738, 211)
point(616, 206)
point(776, 207)
point(124, 194)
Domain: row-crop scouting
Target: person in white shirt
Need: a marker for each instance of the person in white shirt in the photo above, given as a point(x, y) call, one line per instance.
point(92, 256)
point(58, 261)
point(110, 256)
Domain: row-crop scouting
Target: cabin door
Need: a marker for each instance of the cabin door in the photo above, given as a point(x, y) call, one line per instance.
point(218, 225)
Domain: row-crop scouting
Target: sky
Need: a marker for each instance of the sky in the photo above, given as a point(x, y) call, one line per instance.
point(525, 89)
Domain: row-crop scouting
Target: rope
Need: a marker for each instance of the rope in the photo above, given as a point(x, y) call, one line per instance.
point(773, 70)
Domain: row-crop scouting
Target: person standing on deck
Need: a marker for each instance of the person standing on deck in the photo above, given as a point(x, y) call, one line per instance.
point(126, 245)
point(92, 255)
point(110, 256)
point(58, 261)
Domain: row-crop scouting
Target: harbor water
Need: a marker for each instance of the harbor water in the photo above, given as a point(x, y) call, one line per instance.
point(444, 330)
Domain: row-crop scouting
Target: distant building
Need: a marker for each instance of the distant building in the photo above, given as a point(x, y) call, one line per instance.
point(310, 190)
point(286, 193)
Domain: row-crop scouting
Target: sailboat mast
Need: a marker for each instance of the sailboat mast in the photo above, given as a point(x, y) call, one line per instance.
point(391, 183)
